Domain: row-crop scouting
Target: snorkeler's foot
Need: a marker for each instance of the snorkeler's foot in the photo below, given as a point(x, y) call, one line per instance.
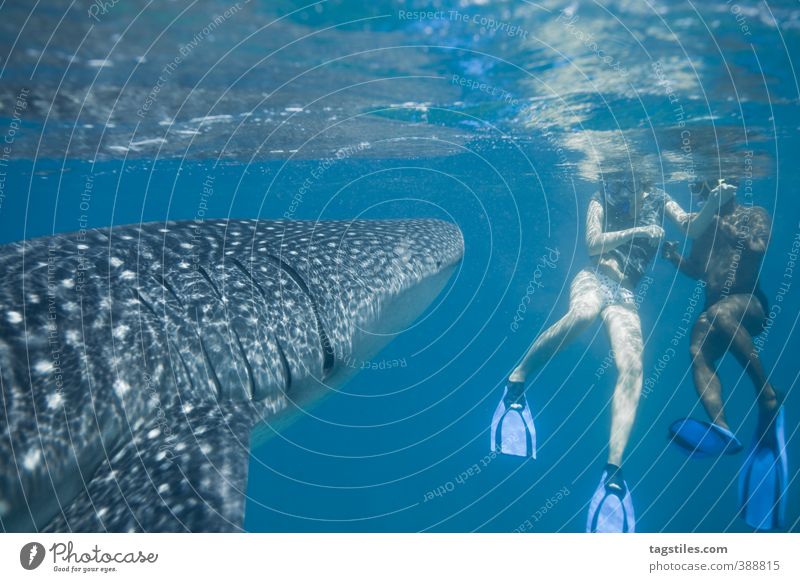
point(514, 395)
point(611, 507)
point(700, 439)
point(513, 432)
point(763, 480)
point(767, 409)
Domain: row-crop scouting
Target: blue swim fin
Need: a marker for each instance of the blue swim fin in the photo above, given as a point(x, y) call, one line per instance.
point(513, 432)
point(764, 478)
point(611, 508)
point(700, 439)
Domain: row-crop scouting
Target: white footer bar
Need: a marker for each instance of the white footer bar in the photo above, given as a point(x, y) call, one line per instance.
point(406, 557)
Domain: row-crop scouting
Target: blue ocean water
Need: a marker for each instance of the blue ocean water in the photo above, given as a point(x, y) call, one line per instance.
point(502, 117)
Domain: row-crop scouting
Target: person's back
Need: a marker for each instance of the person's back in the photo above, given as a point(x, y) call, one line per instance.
point(731, 252)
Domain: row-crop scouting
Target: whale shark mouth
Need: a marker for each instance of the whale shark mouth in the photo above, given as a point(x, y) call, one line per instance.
point(136, 360)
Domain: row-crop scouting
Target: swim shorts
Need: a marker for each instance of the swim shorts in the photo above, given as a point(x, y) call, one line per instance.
point(613, 292)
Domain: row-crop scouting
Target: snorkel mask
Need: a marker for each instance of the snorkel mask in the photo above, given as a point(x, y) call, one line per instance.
point(622, 197)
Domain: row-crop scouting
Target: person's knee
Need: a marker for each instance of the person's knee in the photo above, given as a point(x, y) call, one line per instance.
point(713, 311)
point(725, 315)
point(702, 347)
point(698, 340)
point(635, 371)
point(700, 331)
point(757, 310)
point(728, 322)
point(629, 366)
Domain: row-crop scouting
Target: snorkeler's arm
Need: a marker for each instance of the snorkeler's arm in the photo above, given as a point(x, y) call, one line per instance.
point(677, 214)
point(694, 224)
point(687, 266)
point(599, 242)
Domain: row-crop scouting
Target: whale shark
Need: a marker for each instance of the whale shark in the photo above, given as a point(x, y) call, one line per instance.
point(139, 364)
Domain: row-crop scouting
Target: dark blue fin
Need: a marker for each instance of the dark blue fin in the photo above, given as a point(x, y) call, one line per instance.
point(513, 432)
point(611, 507)
point(700, 439)
point(764, 478)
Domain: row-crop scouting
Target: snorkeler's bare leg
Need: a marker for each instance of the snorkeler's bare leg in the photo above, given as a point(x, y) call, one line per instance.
point(736, 317)
point(705, 351)
point(585, 302)
point(625, 332)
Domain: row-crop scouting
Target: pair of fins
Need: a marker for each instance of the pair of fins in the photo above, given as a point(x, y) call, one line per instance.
point(764, 477)
point(513, 433)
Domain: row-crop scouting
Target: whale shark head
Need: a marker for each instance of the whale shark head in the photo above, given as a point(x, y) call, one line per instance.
point(370, 279)
point(166, 344)
point(365, 282)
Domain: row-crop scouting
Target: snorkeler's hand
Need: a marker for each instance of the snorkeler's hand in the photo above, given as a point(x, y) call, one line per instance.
point(670, 250)
point(653, 232)
point(722, 193)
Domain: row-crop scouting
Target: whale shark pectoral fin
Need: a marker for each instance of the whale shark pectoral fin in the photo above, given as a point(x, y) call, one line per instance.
point(185, 472)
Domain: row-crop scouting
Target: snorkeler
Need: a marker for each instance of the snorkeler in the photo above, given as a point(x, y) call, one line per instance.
point(728, 256)
point(622, 235)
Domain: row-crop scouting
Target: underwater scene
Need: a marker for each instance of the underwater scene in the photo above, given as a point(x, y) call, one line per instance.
point(400, 266)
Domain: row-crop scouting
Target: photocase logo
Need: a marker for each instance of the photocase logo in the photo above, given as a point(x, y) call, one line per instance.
point(31, 555)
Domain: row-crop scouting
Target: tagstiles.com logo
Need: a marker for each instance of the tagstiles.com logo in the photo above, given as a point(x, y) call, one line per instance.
point(66, 559)
point(31, 555)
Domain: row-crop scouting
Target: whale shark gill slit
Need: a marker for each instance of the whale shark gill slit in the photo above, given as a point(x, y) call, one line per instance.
point(171, 344)
point(287, 371)
point(327, 349)
point(238, 264)
point(170, 289)
point(144, 300)
point(212, 373)
point(203, 273)
point(248, 368)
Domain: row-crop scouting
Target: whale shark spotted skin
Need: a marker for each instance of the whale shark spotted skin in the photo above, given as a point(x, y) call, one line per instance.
point(137, 362)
